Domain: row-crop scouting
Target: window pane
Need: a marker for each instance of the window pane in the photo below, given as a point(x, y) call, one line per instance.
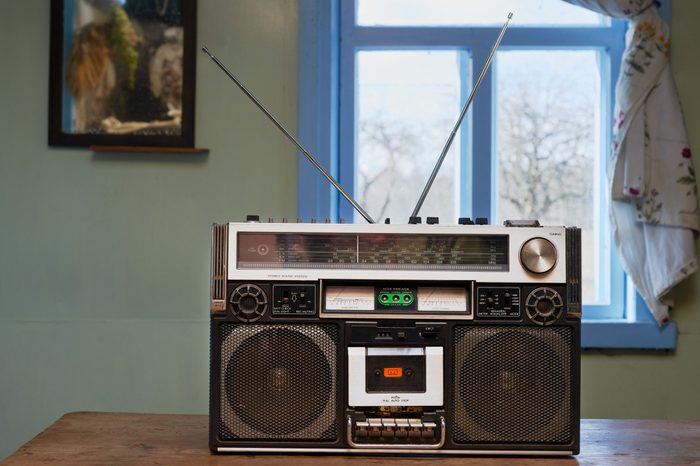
point(407, 103)
point(474, 13)
point(548, 139)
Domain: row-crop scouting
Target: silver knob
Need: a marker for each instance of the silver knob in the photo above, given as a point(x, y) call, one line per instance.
point(538, 255)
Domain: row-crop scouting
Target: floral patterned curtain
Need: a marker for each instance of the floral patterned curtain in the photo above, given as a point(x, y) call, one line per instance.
point(653, 191)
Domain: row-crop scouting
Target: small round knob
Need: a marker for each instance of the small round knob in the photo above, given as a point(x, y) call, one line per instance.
point(248, 302)
point(538, 255)
point(544, 306)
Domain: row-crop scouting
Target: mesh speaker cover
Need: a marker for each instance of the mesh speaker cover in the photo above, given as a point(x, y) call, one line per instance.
point(278, 382)
point(513, 385)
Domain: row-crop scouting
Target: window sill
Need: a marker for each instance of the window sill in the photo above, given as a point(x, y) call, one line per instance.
point(624, 334)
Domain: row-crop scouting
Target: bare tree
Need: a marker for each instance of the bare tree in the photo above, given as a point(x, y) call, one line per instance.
point(395, 160)
point(545, 159)
point(393, 144)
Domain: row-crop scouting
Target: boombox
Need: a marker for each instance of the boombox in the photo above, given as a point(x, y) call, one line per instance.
point(420, 339)
point(380, 338)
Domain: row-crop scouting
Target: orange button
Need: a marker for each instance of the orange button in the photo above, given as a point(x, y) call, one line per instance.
point(393, 372)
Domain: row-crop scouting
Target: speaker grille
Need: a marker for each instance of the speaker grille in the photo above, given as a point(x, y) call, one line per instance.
point(278, 382)
point(513, 385)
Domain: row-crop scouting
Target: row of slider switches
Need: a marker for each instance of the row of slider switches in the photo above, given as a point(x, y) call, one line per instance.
point(256, 219)
point(395, 428)
point(411, 220)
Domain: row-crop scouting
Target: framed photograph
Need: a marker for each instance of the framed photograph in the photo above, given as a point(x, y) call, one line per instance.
point(122, 73)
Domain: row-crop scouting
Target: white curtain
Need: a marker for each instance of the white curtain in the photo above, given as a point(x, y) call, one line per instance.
point(653, 192)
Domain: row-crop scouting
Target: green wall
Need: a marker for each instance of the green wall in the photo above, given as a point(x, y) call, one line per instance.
point(104, 258)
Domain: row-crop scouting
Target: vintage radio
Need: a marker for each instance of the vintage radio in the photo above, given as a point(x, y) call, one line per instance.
point(441, 339)
point(395, 338)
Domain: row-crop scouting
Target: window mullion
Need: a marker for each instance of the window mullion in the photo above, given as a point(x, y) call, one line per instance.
point(483, 157)
point(347, 110)
point(466, 197)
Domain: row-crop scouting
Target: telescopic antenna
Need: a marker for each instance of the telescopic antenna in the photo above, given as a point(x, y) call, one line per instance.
point(279, 125)
point(443, 154)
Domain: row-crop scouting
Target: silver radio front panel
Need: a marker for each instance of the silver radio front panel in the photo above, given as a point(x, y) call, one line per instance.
point(486, 253)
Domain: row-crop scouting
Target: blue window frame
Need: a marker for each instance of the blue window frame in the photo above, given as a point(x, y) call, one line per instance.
point(329, 41)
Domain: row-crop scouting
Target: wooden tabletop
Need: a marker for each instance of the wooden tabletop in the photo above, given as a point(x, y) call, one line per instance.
point(170, 439)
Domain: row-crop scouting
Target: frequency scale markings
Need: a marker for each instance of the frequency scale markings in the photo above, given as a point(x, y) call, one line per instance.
point(366, 251)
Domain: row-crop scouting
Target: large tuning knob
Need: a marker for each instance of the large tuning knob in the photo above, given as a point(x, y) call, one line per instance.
point(538, 255)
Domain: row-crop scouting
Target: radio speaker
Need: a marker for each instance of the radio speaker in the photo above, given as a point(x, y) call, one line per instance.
point(279, 382)
point(513, 385)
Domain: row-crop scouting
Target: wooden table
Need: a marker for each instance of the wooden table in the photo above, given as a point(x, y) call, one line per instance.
point(169, 439)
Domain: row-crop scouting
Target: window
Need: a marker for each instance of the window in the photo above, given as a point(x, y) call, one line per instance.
point(533, 145)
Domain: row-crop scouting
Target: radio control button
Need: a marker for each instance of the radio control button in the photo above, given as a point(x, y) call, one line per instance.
point(465, 221)
point(522, 223)
point(538, 255)
point(482, 221)
point(402, 428)
point(248, 302)
point(375, 427)
point(544, 306)
point(429, 429)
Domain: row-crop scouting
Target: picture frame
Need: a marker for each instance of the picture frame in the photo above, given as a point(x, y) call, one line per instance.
point(122, 73)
